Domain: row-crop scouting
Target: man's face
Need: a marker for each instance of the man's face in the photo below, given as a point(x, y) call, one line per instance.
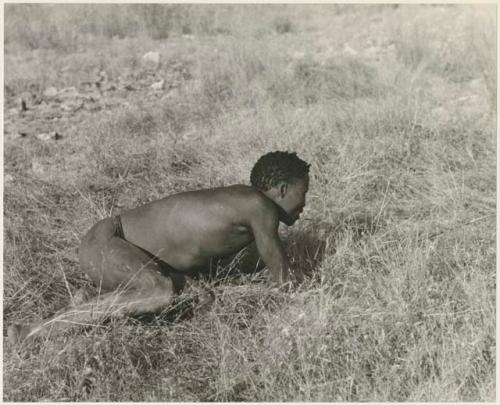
point(293, 199)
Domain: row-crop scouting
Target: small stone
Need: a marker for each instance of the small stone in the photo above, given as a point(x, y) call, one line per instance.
point(349, 50)
point(151, 60)
point(109, 87)
point(103, 76)
point(47, 136)
point(44, 136)
point(37, 167)
point(173, 93)
point(25, 101)
point(22, 105)
point(158, 85)
point(68, 92)
point(71, 106)
point(8, 178)
point(87, 84)
point(50, 92)
point(298, 55)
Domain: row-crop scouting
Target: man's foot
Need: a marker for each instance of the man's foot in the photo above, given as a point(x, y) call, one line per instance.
point(204, 300)
point(81, 296)
point(17, 333)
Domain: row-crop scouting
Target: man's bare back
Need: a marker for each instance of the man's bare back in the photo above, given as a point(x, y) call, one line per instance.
point(186, 230)
point(146, 253)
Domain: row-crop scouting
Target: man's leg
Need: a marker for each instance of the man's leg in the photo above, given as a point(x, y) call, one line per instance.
point(114, 265)
point(115, 304)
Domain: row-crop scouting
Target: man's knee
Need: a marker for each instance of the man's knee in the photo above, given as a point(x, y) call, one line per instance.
point(90, 262)
point(164, 285)
point(90, 251)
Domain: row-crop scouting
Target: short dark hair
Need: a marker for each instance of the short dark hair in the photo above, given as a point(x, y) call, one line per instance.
point(276, 167)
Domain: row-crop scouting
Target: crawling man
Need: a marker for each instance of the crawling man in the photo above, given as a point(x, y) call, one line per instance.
point(141, 258)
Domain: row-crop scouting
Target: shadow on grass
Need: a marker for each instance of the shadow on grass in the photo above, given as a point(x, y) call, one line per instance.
point(306, 246)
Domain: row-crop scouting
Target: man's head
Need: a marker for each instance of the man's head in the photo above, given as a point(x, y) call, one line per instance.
point(283, 177)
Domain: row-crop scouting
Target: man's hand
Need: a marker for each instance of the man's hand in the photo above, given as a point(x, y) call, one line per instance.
point(286, 279)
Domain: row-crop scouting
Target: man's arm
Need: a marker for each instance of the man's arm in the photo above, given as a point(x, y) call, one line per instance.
point(264, 224)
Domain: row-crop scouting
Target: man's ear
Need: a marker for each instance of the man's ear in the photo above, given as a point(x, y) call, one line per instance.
point(283, 188)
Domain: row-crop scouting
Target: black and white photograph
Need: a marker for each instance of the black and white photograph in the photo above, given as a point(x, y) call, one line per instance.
point(249, 202)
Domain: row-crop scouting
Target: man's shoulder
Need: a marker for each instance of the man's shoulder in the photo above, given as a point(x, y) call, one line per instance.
point(250, 195)
point(254, 203)
point(239, 196)
point(243, 198)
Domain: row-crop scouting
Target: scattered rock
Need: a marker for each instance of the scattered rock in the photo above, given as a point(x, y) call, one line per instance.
point(25, 101)
point(372, 52)
point(37, 167)
point(172, 94)
point(68, 92)
point(109, 87)
point(298, 55)
point(47, 136)
point(476, 85)
point(8, 178)
point(103, 76)
point(22, 105)
point(151, 60)
point(48, 111)
point(22, 134)
point(50, 92)
point(93, 107)
point(349, 50)
point(158, 85)
point(101, 80)
point(91, 97)
point(71, 106)
point(87, 85)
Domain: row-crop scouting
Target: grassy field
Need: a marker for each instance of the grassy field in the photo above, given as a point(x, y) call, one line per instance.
point(395, 107)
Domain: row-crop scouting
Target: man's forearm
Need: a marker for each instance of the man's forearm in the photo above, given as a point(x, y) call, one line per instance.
point(274, 256)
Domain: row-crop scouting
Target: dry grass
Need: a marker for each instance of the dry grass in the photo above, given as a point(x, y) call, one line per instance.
point(398, 237)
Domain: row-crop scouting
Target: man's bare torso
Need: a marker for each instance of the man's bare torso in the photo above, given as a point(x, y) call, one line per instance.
point(187, 229)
